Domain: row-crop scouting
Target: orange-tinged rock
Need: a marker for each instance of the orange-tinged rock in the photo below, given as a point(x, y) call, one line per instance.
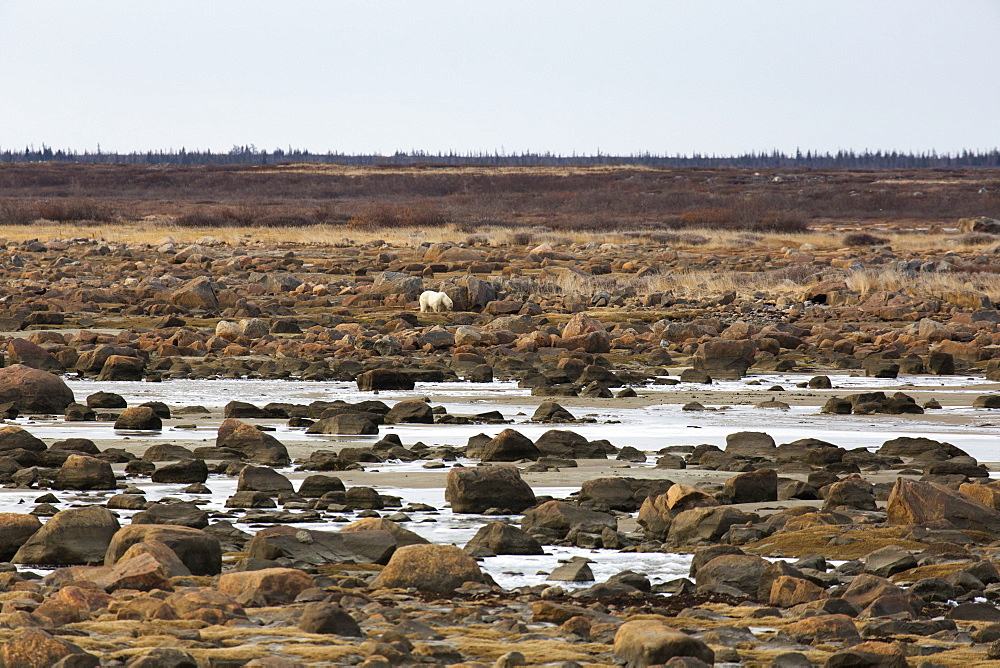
point(822, 628)
point(913, 502)
point(437, 568)
point(34, 648)
point(787, 591)
point(266, 587)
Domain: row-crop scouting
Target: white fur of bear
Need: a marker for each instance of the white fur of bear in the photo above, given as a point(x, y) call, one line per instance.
point(435, 302)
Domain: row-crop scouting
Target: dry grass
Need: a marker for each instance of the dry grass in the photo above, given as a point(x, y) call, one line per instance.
point(931, 571)
point(815, 540)
point(699, 240)
point(869, 281)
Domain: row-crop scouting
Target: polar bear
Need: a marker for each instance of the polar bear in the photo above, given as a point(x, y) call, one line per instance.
point(435, 302)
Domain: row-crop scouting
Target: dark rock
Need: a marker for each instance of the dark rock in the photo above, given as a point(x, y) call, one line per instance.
point(188, 471)
point(141, 418)
point(474, 490)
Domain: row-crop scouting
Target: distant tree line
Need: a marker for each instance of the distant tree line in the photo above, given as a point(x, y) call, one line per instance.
point(250, 155)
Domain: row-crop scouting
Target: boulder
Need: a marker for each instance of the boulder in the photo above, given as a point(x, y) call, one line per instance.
point(750, 444)
point(436, 568)
point(724, 358)
point(787, 591)
point(509, 446)
point(251, 500)
point(142, 418)
point(73, 536)
point(581, 324)
point(576, 570)
point(657, 512)
point(163, 555)
point(941, 363)
point(265, 587)
point(403, 536)
point(262, 479)
point(739, 571)
point(315, 486)
point(988, 494)
point(16, 438)
point(345, 423)
point(568, 444)
point(871, 653)
point(83, 472)
point(475, 490)
point(851, 493)
point(888, 561)
point(649, 642)
point(708, 524)
point(912, 502)
point(33, 390)
point(557, 518)
point(550, 411)
point(306, 548)
point(416, 411)
point(28, 353)
point(615, 493)
point(122, 367)
point(35, 648)
point(329, 619)
point(196, 293)
point(166, 452)
point(756, 486)
point(384, 379)
point(919, 447)
point(255, 445)
point(180, 513)
point(199, 550)
point(15, 530)
point(186, 472)
point(502, 538)
point(821, 628)
point(162, 657)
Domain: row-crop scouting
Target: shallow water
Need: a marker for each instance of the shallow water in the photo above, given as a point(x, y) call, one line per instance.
point(647, 428)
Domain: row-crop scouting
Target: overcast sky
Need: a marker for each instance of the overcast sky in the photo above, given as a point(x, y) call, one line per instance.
point(620, 76)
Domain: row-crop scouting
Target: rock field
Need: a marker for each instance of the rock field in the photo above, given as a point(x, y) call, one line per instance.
point(803, 552)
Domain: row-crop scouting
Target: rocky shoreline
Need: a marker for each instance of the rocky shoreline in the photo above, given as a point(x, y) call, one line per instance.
point(802, 551)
